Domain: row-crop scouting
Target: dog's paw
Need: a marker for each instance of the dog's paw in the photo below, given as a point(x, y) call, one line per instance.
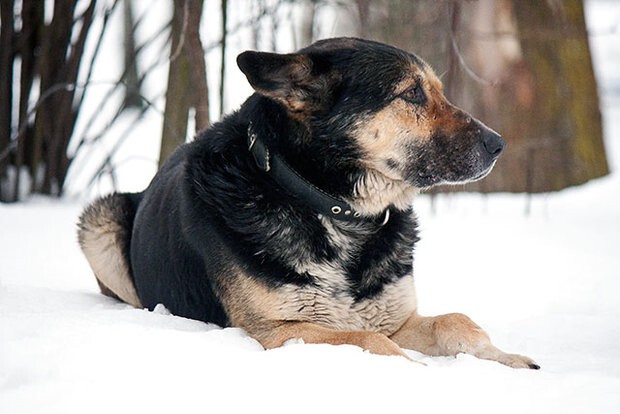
point(517, 361)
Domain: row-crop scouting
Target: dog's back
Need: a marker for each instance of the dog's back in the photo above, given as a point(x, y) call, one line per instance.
point(104, 234)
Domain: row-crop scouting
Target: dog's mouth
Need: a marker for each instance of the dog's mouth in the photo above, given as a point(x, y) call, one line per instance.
point(453, 160)
point(428, 173)
point(484, 173)
point(471, 179)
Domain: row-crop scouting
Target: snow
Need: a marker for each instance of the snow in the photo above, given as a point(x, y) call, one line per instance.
point(544, 284)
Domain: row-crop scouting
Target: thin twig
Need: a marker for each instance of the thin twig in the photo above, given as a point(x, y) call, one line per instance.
point(91, 65)
point(461, 58)
point(16, 133)
point(90, 141)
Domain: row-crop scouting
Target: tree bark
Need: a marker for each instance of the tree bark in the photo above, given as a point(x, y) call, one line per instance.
point(546, 104)
point(133, 97)
point(224, 8)
point(177, 92)
point(6, 93)
point(32, 22)
point(363, 15)
point(187, 85)
point(51, 53)
point(198, 71)
point(306, 32)
point(523, 68)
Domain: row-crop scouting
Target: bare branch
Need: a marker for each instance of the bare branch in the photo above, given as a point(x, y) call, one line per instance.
point(454, 17)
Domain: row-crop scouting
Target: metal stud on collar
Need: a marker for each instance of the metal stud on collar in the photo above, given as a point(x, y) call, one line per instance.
point(387, 217)
point(336, 210)
point(251, 140)
point(251, 136)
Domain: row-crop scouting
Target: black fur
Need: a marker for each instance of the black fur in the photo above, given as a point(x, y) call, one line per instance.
point(213, 206)
point(210, 212)
point(217, 236)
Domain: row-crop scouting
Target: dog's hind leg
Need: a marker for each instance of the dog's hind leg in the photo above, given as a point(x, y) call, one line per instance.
point(104, 232)
point(452, 334)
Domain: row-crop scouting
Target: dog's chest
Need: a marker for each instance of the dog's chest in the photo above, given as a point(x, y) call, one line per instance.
point(332, 299)
point(333, 306)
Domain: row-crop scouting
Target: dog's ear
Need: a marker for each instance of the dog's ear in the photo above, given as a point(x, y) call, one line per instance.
point(303, 83)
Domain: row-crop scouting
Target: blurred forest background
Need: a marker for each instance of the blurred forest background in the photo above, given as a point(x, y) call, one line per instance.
point(95, 92)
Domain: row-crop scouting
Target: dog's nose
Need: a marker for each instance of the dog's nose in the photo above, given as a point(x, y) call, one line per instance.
point(493, 143)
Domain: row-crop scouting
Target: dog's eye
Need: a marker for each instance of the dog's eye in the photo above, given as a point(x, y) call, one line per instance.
point(414, 95)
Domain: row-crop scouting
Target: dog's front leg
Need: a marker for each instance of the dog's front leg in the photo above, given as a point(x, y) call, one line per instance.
point(451, 334)
point(375, 343)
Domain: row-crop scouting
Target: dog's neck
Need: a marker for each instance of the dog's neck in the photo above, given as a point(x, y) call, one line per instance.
point(374, 192)
point(360, 208)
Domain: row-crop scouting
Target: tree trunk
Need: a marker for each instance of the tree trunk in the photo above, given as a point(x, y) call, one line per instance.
point(177, 92)
point(52, 54)
point(59, 68)
point(545, 103)
point(32, 22)
point(6, 95)
point(363, 15)
point(187, 79)
point(224, 8)
point(523, 68)
point(133, 82)
point(306, 30)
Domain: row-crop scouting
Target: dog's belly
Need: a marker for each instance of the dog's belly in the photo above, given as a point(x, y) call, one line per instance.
point(332, 305)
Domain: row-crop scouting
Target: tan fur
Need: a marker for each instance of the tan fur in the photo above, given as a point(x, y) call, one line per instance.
point(325, 311)
point(382, 136)
point(260, 309)
point(99, 239)
point(265, 314)
point(375, 191)
point(274, 316)
point(452, 334)
point(373, 342)
point(441, 115)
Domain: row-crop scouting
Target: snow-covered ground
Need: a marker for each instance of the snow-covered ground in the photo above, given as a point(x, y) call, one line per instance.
point(544, 284)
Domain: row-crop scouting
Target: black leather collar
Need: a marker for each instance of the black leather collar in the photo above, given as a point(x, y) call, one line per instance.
point(315, 198)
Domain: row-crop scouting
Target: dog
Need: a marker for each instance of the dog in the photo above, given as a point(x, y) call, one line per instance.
point(292, 217)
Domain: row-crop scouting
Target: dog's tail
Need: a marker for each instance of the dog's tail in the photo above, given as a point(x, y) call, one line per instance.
point(104, 234)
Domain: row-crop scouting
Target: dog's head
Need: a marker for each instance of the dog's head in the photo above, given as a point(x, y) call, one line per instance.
point(387, 103)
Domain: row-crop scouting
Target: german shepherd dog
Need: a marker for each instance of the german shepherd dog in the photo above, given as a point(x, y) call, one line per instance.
point(292, 217)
